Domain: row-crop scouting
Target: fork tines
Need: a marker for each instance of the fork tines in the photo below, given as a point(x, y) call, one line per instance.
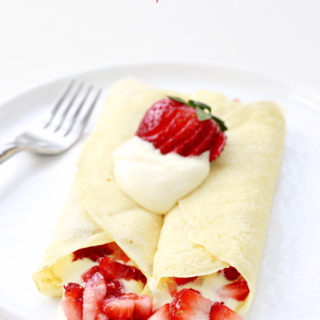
point(72, 109)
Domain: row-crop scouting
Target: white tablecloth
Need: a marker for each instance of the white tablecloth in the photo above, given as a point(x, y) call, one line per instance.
point(44, 39)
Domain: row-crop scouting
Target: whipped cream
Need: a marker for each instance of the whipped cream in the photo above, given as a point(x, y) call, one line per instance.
point(207, 285)
point(153, 180)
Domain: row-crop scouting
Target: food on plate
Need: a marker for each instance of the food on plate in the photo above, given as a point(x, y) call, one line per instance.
point(210, 165)
point(212, 240)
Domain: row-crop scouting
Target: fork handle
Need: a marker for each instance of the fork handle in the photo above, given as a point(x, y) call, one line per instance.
point(8, 150)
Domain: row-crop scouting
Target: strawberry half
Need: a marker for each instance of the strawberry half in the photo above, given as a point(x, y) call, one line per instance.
point(189, 304)
point(221, 312)
point(237, 290)
point(172, 126)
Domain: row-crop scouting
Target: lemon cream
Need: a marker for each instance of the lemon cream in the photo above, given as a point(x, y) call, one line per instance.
point(153, 180)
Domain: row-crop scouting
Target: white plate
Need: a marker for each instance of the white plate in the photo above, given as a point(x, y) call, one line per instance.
point(33, 189)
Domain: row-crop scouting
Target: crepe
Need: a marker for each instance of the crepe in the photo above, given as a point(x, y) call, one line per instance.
point(96, 210)
point(224, 222)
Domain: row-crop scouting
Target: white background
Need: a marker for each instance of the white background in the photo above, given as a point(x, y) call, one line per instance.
point(44, 39)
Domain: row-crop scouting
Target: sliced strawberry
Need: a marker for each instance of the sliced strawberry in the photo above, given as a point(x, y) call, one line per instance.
point(114, 288)
point(182, 281)
point(87, 275)
point(108, 267)
point(172, 126)
point(221, 312)
point(161, 313)
point(93, 295)
point(115, 270)
point(92, 253)
point(142, 308)
point(237, 290)
point(230, 273)
point(189, 304)
point(72, 304)
point(119, 309)
point(96, 252)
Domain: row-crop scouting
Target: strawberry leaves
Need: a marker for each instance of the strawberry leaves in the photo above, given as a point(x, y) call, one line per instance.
point(203, 111)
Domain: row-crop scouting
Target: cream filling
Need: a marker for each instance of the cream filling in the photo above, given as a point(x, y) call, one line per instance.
point(207, 285)
point(153, 180)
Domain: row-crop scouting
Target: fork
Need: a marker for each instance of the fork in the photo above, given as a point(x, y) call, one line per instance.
point(60, 128)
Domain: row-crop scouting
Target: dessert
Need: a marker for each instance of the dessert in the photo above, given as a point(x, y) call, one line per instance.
point(157, 152)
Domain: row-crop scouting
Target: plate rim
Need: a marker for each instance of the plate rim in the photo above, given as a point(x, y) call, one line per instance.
point(194, 63)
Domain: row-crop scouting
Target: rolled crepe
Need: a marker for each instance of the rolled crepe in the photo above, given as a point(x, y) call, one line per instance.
point(97, 211)
point(224, 222)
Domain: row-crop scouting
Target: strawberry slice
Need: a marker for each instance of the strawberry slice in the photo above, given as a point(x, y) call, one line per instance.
point(114, 288)
point(142, 308)
point(237, 290)
point(93, 295)
point(72, 304)
point(221, 312)
point(172, 126)
point(94, 253)
point(119, 309)
point(115, 270)
point(161, 313)
point(230, 273)
point(189, 304)
point(87, 275)
point(182, 281)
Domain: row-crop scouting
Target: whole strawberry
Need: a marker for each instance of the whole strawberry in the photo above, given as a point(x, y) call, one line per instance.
point(173, 125)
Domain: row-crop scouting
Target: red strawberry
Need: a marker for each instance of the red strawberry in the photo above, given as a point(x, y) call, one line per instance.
point(87, 275)
point(108, 267)
point(172, 126)
point(72, 304)
point(114, 288)
point(119, 309)
point(142, 308)
point(94, 253)
point(221, 312)
point(161, 313)
point(238, 290)
point(189, 304)
point(231, 273)
point(93, 295)
point(182, 281)
point(115, 270)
